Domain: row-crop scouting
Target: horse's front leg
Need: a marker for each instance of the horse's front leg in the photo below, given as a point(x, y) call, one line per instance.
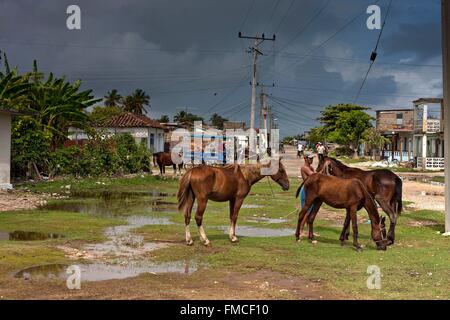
point(201, 207)
point(235, 206)
point(355, 229)
point(345, 232)
point(392, 217)
point(312, 212)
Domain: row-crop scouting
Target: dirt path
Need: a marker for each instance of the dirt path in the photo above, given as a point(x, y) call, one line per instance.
point(262, 284)
point(20, 200)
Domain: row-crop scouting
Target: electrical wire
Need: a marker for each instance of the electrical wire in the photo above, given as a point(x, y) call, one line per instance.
point(374, 53)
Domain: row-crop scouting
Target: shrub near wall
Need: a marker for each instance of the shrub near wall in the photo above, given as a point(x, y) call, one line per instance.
point(116, 155)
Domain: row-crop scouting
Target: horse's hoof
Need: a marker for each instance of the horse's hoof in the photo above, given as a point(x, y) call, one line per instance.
point(190, 242)
point(314, 242)
point(207, 243)
point(359, 249)
point(234, 240)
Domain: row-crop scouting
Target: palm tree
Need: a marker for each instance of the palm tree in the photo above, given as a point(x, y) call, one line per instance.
point(112, 98)
point(59, 105)
point(13, 89)
point(136, 102)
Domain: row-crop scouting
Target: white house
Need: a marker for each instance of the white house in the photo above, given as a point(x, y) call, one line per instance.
point(5, 146)
point(142, 128)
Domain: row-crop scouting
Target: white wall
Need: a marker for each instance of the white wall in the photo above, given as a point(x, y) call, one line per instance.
point(5, 151)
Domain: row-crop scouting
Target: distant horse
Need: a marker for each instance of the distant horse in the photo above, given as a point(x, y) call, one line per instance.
point(230, 183)
point(383, 185)
point(340, 193)
point(163, 159)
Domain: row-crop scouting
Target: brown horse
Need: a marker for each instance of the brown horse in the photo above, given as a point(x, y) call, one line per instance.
point(383, 185)
point(163, 159)
point(230, 183)
point(340, 193)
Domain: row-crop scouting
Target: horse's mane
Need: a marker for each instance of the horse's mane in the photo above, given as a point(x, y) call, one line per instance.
point(338, 163)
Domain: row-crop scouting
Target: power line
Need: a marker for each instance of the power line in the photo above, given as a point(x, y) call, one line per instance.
point(247, 14)
point(310, 21)
point(271, 15)
point(335, 33)
point(285, 16)
point(373, 55)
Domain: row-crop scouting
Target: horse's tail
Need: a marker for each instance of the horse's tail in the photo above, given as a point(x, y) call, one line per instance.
point(398, 195)
point(299, 189)
point(154, 156)
point(185, 194)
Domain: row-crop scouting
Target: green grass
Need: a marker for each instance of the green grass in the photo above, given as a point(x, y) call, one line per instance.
point(15, 255)
point(135, 183)
point(438, 179)
point(416, 267)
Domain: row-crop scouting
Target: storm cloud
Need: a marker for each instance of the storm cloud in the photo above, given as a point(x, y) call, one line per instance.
point(186, 54)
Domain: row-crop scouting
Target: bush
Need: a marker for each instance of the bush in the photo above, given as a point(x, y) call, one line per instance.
point(115, 155)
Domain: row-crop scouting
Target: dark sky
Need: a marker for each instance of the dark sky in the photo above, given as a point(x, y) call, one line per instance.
point(186, 53)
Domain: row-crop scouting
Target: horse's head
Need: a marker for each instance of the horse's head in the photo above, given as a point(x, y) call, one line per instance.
point(379, 235)
point(281, 177)
point(325, 166)
point(329, 166)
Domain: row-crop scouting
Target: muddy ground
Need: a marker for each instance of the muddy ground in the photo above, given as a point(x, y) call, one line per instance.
point(130, 244)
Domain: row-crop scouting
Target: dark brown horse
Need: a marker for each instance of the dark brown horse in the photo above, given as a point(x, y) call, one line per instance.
point(383, 185)
point(230, 183)
point(349, 194)
point(163, 159)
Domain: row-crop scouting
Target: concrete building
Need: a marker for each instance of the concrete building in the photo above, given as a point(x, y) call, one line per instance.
point(398, 126)
point(5, 145)
point(428, 146)
point(142, 128)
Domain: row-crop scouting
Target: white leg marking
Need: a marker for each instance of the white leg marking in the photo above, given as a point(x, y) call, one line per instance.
point(203, 236)
point(188, 236)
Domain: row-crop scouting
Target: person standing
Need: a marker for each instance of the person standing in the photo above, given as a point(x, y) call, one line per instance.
point(299, 150)
point(321, 151)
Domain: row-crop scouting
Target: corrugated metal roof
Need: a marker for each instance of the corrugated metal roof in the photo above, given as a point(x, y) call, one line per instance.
point(128, 120)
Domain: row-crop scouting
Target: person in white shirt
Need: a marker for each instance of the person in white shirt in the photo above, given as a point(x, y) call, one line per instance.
point(299, 150)
point(321, 151)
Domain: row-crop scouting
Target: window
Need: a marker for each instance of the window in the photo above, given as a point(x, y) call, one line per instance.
point(152, 140)
point(399, 119)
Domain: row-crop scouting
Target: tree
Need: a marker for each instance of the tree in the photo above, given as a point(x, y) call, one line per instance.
point(136, 102)
point(332, 113)
point(217, 121)
point(350, 126)
point(112, 98)
point(100, 115)
point(164, 119)
point(186, 118)
point(13, 90)
point(374, 139)
point(315, 135)
point(59, 105)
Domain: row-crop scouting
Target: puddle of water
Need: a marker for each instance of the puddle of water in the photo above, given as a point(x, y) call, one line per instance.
point(266, 220)
point(122, 243)
point(111, 208)
point(28, 236)
point(112, 195)
point(251, 206)
point(247, 231)
point(101, 272)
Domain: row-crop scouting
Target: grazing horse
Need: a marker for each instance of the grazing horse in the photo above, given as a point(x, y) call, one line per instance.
point(163, 159)
point(340, 193)
point(230, 183)
point(383, 185)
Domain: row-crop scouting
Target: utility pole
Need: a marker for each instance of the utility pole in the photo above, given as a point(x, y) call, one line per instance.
point(446, 85)
point(255, 52)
